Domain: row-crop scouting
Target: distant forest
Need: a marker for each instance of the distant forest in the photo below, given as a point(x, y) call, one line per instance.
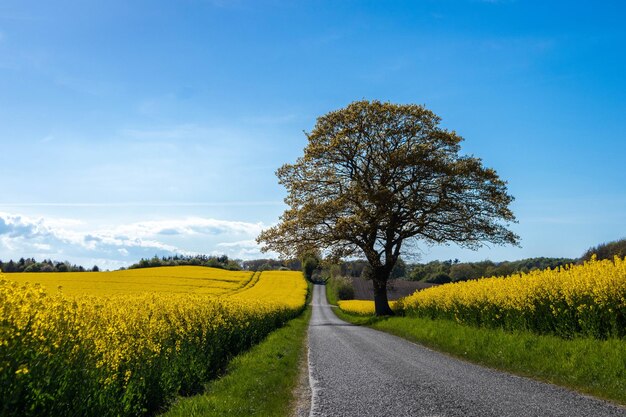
point(219, 262)
point(440, 272)
point(47, 265)
point(197, 260)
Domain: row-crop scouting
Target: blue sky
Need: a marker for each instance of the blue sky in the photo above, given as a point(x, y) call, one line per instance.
point(129, 129)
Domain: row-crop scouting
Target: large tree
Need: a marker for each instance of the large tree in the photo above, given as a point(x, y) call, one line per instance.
point(376, 176)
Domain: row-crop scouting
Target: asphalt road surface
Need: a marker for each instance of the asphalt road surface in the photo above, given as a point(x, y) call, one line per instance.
point(357, 371)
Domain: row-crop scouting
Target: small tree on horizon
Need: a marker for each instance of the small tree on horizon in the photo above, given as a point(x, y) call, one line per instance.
point(376, 176)
point(310, 262)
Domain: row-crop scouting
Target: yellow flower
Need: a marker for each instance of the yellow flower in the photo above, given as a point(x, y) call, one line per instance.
point(22, 370)
point(120, 331)
point(362, 307)
point(587, 299)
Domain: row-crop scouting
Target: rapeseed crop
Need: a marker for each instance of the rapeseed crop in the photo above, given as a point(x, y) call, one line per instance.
point(362, 307)
point(167, 279)
point(284, 287)
point(588, 300)
point(129, 354)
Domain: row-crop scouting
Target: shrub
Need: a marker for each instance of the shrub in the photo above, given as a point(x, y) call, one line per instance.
point(441, 278)
point(342, 287)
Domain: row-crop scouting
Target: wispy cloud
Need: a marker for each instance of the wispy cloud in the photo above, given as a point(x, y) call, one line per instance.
point(121, 244)
point(244, 249)
point(188, 226)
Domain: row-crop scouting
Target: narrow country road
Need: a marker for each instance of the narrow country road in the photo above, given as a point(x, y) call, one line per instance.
point(357, 371)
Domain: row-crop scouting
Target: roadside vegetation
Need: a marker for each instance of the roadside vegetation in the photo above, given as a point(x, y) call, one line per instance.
point(259, 382)
point(339, 288)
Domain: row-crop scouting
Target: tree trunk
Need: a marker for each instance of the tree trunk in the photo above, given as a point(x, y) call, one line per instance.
point(381, 303)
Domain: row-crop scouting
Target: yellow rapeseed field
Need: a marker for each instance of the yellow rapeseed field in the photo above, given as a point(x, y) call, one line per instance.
point(362, 307)
point(128, 353)
point(587, 299)
point(285, 287)
point(166, 279)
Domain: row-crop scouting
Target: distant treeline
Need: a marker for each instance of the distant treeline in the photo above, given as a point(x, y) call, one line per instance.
point(451, 270)
point(219, 262)
point(271, 264)
point(607, 250)
point(198, 260)
point(47, 265)
point(441, 272)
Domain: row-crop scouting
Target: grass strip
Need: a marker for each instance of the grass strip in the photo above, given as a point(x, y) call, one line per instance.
point(259, 382)
point(591, 366)
point(331, 294)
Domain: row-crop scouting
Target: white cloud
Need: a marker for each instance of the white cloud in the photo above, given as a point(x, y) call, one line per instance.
point(187, 227)
point(20, 226)
point(241, 243)
point(245, 249)
point(72, 239)
point(42, 246)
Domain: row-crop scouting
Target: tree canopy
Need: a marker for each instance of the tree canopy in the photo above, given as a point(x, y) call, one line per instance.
point(607, 250)
point(375, 176)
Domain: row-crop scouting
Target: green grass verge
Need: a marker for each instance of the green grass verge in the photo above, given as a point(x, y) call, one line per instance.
point(596, 367)
point(331, 294)
point(259, 382)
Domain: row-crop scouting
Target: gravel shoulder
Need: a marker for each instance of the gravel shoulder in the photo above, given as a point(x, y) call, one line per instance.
point(357, 371)
point(302, 392)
